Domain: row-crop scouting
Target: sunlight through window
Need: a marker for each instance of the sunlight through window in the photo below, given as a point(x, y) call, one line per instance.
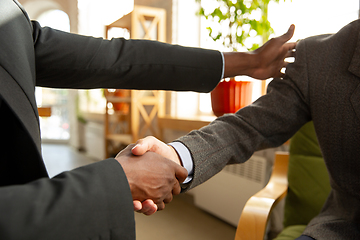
point(56, 19)
point(55, 127)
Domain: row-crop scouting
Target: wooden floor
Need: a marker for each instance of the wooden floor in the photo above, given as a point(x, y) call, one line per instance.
point(180, 220)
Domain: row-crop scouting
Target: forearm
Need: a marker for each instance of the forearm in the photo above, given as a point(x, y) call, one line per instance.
point(84, 203)
point(73, 61)
point(233, 138)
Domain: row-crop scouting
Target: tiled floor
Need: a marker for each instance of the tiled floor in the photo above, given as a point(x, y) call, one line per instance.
point(180, 219)
point(61, 157)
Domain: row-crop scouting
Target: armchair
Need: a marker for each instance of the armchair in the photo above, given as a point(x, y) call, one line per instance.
point(302, 177)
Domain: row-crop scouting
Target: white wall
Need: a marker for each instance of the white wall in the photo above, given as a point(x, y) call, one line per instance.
point(312, 17)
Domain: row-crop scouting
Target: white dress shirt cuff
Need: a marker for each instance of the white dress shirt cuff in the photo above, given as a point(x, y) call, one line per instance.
point(185, 158)
point(223, 68)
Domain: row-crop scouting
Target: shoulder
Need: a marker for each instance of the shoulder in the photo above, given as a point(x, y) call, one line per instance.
point(346, 38)
point(21, 8)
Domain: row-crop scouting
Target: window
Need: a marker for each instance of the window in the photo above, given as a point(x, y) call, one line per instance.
point(311, 17)
point(56, 19)
point(55, 127)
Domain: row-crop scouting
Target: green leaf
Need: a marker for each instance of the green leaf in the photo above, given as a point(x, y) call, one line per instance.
point(254, 47)
point(239, 16)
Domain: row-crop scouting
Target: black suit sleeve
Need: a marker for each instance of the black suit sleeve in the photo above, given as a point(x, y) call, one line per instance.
point(91, 202)
point(73, 61)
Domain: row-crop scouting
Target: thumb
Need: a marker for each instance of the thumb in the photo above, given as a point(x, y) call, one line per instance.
point(143, 145)
point(289, 34)
point(150, 144)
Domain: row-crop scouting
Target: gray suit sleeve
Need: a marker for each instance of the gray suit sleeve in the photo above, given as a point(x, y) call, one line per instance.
point(72, 61)
point(268, 122)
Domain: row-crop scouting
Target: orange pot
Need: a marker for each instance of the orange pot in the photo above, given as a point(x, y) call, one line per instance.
point(230, 96)
point(122, 107)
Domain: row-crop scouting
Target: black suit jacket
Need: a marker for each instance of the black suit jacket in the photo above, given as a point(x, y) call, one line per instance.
point(92, 202)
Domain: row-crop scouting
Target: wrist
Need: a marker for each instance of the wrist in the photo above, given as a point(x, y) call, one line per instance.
point(239, 63)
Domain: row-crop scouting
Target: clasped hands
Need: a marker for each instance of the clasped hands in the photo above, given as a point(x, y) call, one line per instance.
point(152, 177)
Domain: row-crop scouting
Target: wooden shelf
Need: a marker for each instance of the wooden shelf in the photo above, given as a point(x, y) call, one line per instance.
point(118, 99)
point(139, 108)
point(143, 23)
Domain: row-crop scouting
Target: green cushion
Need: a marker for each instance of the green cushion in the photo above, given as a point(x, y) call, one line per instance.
point(291, 233)
point(308, 178)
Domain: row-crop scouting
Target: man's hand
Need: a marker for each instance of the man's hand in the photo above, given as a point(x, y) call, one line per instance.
point(151, 177)
point(152, 144)
point(263, 63)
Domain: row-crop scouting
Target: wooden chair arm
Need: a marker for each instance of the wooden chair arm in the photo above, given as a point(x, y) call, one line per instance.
point(257, 210)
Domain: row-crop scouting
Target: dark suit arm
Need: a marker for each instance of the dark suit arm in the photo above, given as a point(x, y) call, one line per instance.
point(73, 61)
point(268, 122)
point(90, 202)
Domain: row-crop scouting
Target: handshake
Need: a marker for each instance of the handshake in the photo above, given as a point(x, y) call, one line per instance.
point(154, 173)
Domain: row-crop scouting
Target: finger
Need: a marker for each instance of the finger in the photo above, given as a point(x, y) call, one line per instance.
point(149, 144)
point(290, 54)
point(290, 46)
point(137, 205)
point(141, 147)
point(288, 35)
point(149, 207)
point(168, 198)
point(150, 211)
point(181, 173)
point(176, 189)
point(160, 206)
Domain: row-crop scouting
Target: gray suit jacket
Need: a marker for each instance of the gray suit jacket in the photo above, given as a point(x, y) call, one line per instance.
point(322, 85)
point(92, 202)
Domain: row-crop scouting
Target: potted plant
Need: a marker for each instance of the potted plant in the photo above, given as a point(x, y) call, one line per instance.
point(243, 24)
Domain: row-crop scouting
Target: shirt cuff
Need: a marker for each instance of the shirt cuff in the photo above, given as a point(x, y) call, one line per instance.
point(185, 158)
point(223, 66)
